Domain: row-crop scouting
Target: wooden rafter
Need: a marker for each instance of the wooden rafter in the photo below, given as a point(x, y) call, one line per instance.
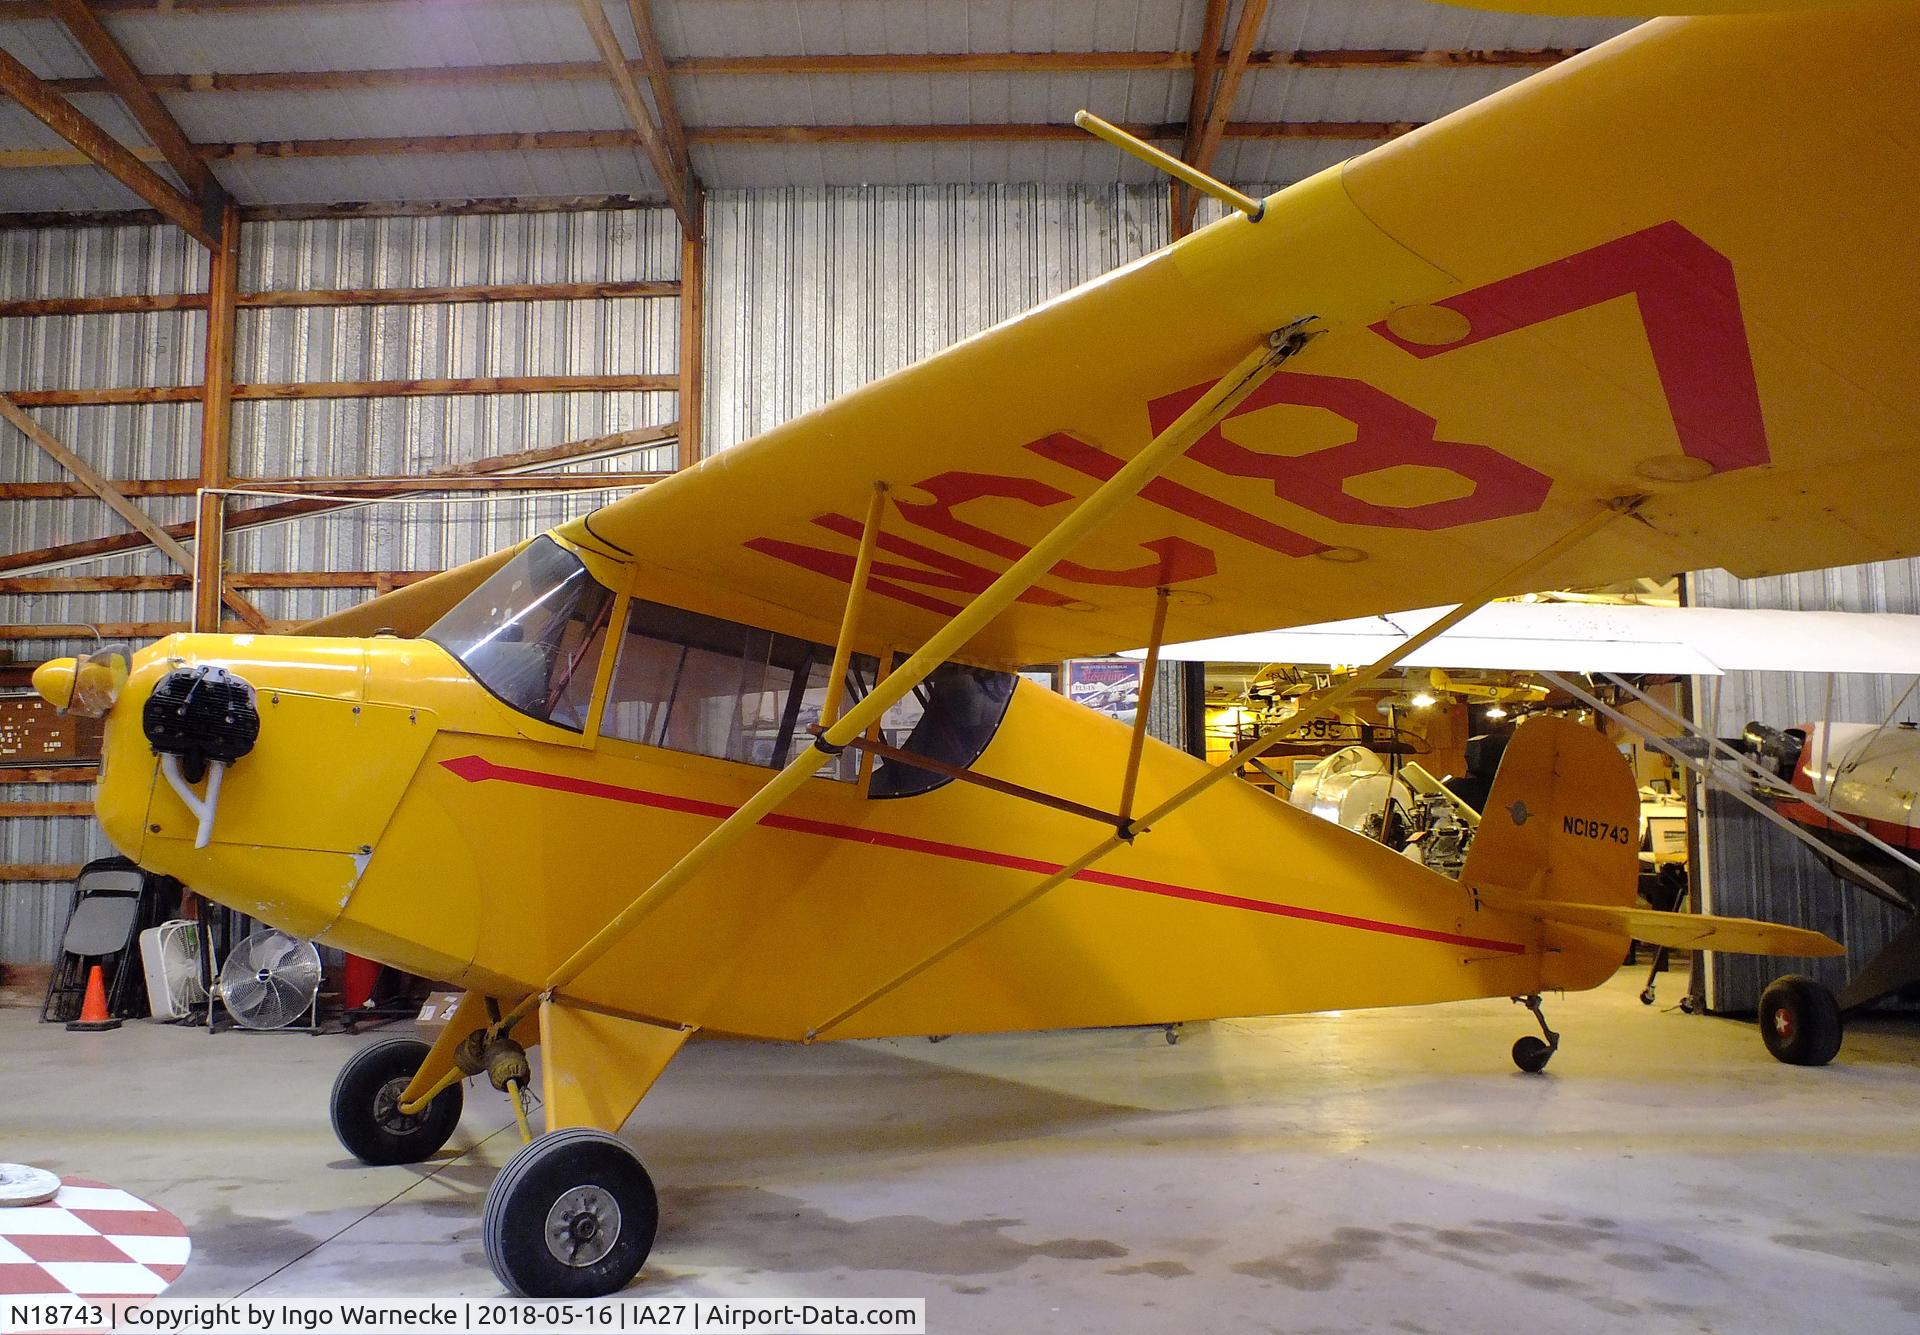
point(216, 425)
point(1205, 57)
point(337, 486)
point(348, 389)
point(693, 338)
point(343, 296)
point(561, 141)
point(1252, 14)
point(271, 579)
point(856, 63)
point(143, 525)
point(100, 148)
point(154, 119)
point(673, 179)
point(499, 466)
point(653, 60)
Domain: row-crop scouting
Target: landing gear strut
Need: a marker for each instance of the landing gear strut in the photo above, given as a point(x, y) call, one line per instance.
point(366, 1106)
point(1529, 1053)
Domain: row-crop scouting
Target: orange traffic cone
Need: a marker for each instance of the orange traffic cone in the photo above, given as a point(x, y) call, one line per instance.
point(93, 1011)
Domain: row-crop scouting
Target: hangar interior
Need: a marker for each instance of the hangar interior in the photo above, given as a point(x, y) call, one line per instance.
point(371, 289)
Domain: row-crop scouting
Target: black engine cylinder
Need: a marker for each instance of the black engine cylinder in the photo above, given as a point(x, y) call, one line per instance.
point(202, 713)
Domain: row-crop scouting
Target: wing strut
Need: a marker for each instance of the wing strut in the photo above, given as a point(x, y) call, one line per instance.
point(1318, 707)
point(1137, 743)
point(1226, 394)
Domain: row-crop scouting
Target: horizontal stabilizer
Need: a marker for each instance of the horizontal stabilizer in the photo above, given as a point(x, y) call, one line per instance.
point(1687, 931)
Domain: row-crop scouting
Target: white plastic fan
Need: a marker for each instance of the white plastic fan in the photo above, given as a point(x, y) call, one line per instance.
point(170, 954)
point(270, 979)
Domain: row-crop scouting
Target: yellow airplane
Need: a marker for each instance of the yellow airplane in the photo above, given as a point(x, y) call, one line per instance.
point(743, 753)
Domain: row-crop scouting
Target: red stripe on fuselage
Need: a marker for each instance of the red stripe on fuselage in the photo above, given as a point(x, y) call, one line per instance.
point(477, 769)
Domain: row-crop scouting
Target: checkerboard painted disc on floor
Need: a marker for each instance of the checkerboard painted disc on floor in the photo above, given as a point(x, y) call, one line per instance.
point(91, 1242)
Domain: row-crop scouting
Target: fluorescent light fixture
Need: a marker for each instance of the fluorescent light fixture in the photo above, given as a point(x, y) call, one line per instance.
point(1423, 700)
point(1496, 711)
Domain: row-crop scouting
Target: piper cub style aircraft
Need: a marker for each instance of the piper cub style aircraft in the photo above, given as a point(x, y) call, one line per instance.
point(745, 752)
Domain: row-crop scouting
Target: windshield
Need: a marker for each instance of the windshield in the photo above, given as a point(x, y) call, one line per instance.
point(532, 633)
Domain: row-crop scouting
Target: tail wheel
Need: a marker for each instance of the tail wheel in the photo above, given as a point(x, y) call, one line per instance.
point(1531, 1054)
point(572, 1215)
point(365, 1105)
point(1800, 1021)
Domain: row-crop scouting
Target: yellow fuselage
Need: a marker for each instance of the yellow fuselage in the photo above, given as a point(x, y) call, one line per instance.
point(394, 808)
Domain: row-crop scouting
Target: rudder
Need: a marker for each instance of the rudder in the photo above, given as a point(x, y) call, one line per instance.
point(1562, 824)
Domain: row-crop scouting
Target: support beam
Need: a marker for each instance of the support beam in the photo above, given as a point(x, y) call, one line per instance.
point(1252, 14)
point(573, 451)
point(343, 486)
point(693, 331)
point(856, 602)
point(39, 871)
point(853, 64)
point(563, 141)
point(36, 810)
point(30, 307)
point(653, 60)
point(1206, 57)
point(269, 579)
point(100, 148)
point(673, 178)
point(145, 530)
point(154, 119)
point(216, 424)
point(279, 511)
point(342, 296)
point(348, 389)
point(139, 630)
point(1136, 743)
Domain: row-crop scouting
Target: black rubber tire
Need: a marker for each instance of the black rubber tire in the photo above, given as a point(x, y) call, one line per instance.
point(1531, 1054)
point(361, 1106)
point(1800, 1021)
point(514, 1227)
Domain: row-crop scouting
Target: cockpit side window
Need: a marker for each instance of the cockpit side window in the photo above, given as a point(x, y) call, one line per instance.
point(690, 682)
point(532, 633)
point(950, 717)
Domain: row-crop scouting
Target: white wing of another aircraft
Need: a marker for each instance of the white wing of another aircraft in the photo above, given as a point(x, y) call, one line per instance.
point(1585, 637)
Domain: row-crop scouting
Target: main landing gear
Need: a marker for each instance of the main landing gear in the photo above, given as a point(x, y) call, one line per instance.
point(366, 1106)
point(572, 1215)
point(1531, 1054)
point(1800, 1021)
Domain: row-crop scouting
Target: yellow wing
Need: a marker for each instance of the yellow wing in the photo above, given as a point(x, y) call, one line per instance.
point(1680, 264)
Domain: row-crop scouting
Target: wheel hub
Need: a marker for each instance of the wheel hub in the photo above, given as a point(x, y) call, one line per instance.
point(1783, 1022)
point(583, 1226)
point(386, 1108)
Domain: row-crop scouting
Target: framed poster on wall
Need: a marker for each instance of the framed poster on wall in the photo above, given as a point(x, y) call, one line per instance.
point(1109, 685)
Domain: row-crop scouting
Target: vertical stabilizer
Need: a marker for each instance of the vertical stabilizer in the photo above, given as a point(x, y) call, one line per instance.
point(1562, 824)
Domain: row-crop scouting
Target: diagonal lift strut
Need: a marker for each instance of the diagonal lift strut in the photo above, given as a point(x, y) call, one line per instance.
point(1226, 394)
point(1318, 707)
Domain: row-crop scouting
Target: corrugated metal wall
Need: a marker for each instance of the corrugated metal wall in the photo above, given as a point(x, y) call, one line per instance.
point(1753, 868)
point(810, 293)
point(313, 438)
point(815, 292)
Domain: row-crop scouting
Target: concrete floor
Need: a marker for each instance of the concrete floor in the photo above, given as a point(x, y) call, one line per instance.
point(1382, 1170)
